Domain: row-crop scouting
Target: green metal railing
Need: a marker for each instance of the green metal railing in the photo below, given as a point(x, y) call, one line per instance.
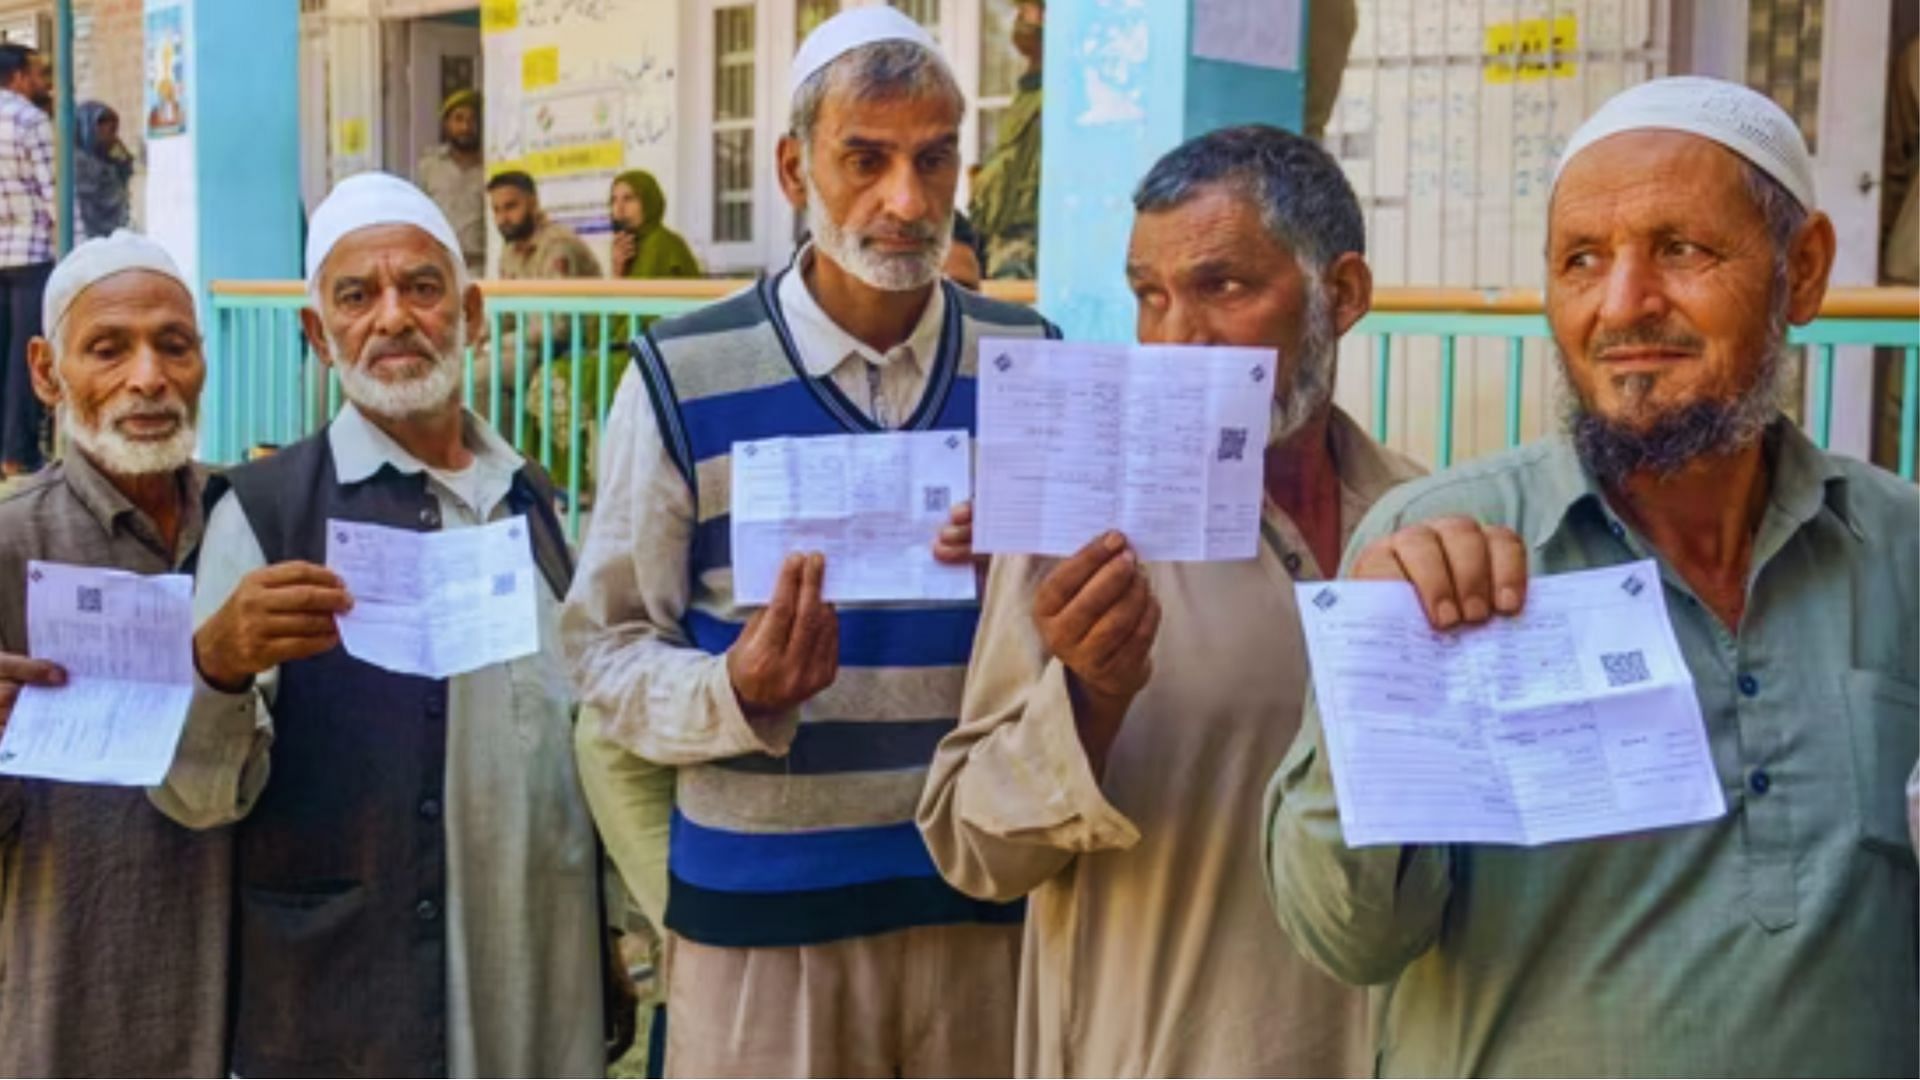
point(266, 389)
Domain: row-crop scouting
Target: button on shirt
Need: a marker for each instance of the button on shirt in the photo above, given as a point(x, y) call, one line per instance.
point(26, 182)
point(1777, 940)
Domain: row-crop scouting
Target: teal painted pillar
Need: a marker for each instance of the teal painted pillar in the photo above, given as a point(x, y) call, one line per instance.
point(1126, 81)
point(63, 106)
point(222, 124)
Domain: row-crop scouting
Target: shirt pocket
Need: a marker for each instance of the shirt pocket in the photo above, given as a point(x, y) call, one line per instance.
point(1883, 716)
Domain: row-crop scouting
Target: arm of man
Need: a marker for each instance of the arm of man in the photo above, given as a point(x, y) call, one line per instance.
point(1364, 914)
point(660, 697)
point(632, 803)
point(249, 618)
point(1014, 792)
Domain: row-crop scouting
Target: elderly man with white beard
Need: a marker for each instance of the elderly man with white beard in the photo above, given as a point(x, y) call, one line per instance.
point(1121, 719)
point(113, 919)
point(416, 872)
point(810, 933)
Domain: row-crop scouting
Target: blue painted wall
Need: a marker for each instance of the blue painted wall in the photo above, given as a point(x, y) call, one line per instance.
point(1122, 90)
point(247, 132)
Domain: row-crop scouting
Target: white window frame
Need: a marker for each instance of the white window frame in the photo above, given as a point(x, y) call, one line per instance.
point(774, 27)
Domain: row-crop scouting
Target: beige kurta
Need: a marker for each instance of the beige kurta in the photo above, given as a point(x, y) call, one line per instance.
point(1150, 947)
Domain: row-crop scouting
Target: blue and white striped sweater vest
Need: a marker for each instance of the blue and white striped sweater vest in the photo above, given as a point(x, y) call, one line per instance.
point(820, 844)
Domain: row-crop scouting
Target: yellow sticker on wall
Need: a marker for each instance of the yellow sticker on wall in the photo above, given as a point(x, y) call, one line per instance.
point(1532, 49)
point(567, 160)
point(540, 67)
point(498, 15)
point(351, 136)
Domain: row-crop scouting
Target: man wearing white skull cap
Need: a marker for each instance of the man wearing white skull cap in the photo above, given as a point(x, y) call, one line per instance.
point(113, 920)
point(810, 932)
point(1779, 938)
point(417, 888)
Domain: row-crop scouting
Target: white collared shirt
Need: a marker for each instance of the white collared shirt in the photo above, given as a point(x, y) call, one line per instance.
point(887, 386)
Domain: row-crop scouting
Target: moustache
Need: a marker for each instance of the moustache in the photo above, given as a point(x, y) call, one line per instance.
point(413, 343)
point(166, 409)
point(905, 232)
point(1644, 337)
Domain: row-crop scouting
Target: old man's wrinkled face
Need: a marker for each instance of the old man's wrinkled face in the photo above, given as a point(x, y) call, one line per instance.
point(1669, 298)
point(392, 320)
point(127, 376)
point(1209, 272)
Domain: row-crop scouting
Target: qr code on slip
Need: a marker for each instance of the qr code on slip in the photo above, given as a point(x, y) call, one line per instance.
point(935, 500)
point(1233, 444)
point(89, 601)
point(1625, 668)
point(503, 584)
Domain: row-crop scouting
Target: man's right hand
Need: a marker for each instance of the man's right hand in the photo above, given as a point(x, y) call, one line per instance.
point(790, 649)
point(279, 613)
point(622, 252)
point(1096, 612)
point(1463, 571)
point(19, 671)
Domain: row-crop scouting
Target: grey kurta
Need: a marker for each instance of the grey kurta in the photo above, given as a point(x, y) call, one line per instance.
point(1150, 949)
point(113, 919)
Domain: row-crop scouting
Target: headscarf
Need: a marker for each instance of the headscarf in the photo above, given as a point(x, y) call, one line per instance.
point(658, 252)
point(374, 198)
point(86, 124)
point(1742, 120)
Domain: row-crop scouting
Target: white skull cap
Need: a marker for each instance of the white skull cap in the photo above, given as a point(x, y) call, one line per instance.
point(850, 30)
point(95, 260)
point(365, 200)
point(1742, 120)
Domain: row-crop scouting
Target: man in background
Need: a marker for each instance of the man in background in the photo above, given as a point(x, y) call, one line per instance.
point(26, 246)
point(1006, 189)
point(453, 174)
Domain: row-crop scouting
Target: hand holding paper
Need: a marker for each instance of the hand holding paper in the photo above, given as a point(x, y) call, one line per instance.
point(1575, 719)
point(125, 643)
point(1163, 443)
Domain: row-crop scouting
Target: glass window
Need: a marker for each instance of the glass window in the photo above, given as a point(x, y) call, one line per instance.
point(808, 14)
point(733, 98)
point(924, 12)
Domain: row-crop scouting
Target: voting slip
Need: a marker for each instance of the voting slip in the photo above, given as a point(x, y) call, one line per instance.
point(1163, 442)
point(873, 504)
point(439, 603)
point(1575, 719)
point(126, 642)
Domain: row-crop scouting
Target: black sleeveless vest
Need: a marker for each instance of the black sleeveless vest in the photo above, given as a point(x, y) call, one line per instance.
point(340, 950)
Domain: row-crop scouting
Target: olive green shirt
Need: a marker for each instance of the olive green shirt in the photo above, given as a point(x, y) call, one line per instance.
point(1778, 940)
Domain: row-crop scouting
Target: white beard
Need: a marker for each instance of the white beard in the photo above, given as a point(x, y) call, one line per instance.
point(120, 455)
point(403, 398)
point(888, 273)
point(1313, 377)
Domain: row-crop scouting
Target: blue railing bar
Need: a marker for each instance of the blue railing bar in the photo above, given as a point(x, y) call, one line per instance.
point(546, 392)
point(1443, 453)
point(1516, 356)
point(494, 347)
point(1909, 408)
point(519, 404)
point(576, 429)
point(1430, 324)
point(1820, 409)
point(1382, 383)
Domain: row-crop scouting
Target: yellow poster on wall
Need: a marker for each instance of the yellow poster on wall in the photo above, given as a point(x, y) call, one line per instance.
point(540, 68)
point(1532, 49)
point(498, 15)
point(351, 137)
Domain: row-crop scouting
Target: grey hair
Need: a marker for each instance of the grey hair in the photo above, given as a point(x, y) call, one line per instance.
point(882, 69)
point(1778, 208)
point(1304, 198)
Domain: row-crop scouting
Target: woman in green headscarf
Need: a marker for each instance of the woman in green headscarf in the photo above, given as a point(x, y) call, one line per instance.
point(643, 247)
